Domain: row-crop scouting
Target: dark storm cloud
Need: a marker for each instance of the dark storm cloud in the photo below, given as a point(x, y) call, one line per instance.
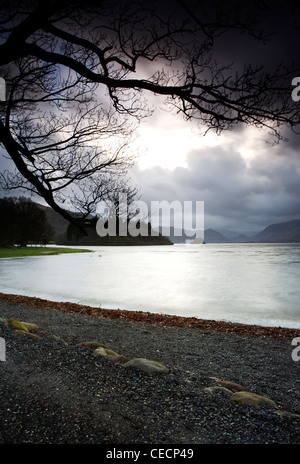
point(245, 194)
point(242, 194)
point(278, 23)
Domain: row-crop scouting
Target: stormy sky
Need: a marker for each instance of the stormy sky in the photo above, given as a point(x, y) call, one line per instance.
point(245, 181)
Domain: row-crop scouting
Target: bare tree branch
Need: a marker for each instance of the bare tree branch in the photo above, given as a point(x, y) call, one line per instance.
point(77, 72)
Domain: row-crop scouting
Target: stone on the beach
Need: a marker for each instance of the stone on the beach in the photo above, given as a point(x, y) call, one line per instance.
point(110, 354)
point(216, 388)
point(232, 385)
point(146, 365)
point(31, 327)
point(288, 414)
point(243, 398)
point(92, 345)
point(15, 324)
point(56, 339)
point(27, 334)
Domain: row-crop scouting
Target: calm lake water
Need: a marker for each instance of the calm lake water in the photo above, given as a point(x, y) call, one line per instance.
point(248, 283)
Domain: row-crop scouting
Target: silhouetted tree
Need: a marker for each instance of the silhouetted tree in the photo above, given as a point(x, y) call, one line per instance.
point(59, 58)
point(23, 222)
point(7, 222)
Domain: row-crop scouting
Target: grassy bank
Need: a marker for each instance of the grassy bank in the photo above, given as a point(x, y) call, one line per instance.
point(16, 252)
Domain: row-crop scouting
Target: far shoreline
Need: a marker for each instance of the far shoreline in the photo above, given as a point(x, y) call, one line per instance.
point(144, 318)
point(34, 250)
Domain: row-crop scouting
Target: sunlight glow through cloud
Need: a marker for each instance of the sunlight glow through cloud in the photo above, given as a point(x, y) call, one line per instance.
point(167, 141)
point(245, 181)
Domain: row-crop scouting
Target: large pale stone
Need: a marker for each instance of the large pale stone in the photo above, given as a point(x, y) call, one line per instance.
point(93, 345)
point(109, 353)
point(146, 365)
point(15, 324)
point(101, 351)
point(28, 334)
point(31, 327)
point(243, 397)
point(216, 388)
point(232, 385)
point(288, 414)
point(56, 339)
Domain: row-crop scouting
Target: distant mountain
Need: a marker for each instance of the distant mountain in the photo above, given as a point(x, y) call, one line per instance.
point(242, 239)
point(60, 225)
point(178, 236)
point(213, 236)
point(175, 235)
point(93, 239)
point(284, 232)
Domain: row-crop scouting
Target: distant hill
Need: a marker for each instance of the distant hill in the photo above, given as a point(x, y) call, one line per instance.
point(241, 239)
point(210, 236)
point(60, 225)
point(175, 235)
point(213, 236)
point(179, 236)
point(93, 239)
point(284, 232)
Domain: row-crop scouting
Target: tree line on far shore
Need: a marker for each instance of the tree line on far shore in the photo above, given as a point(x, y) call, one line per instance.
point(23, 222)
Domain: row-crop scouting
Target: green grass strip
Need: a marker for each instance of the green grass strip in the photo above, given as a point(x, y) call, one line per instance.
point(37, 251)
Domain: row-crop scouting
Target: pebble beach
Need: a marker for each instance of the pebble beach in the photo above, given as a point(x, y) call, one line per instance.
point(221, 383)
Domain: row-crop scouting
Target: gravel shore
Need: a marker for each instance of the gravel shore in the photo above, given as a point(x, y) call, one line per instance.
point(56, 392)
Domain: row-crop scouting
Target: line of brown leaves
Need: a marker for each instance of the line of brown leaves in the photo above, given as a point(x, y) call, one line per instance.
point(154, 319)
